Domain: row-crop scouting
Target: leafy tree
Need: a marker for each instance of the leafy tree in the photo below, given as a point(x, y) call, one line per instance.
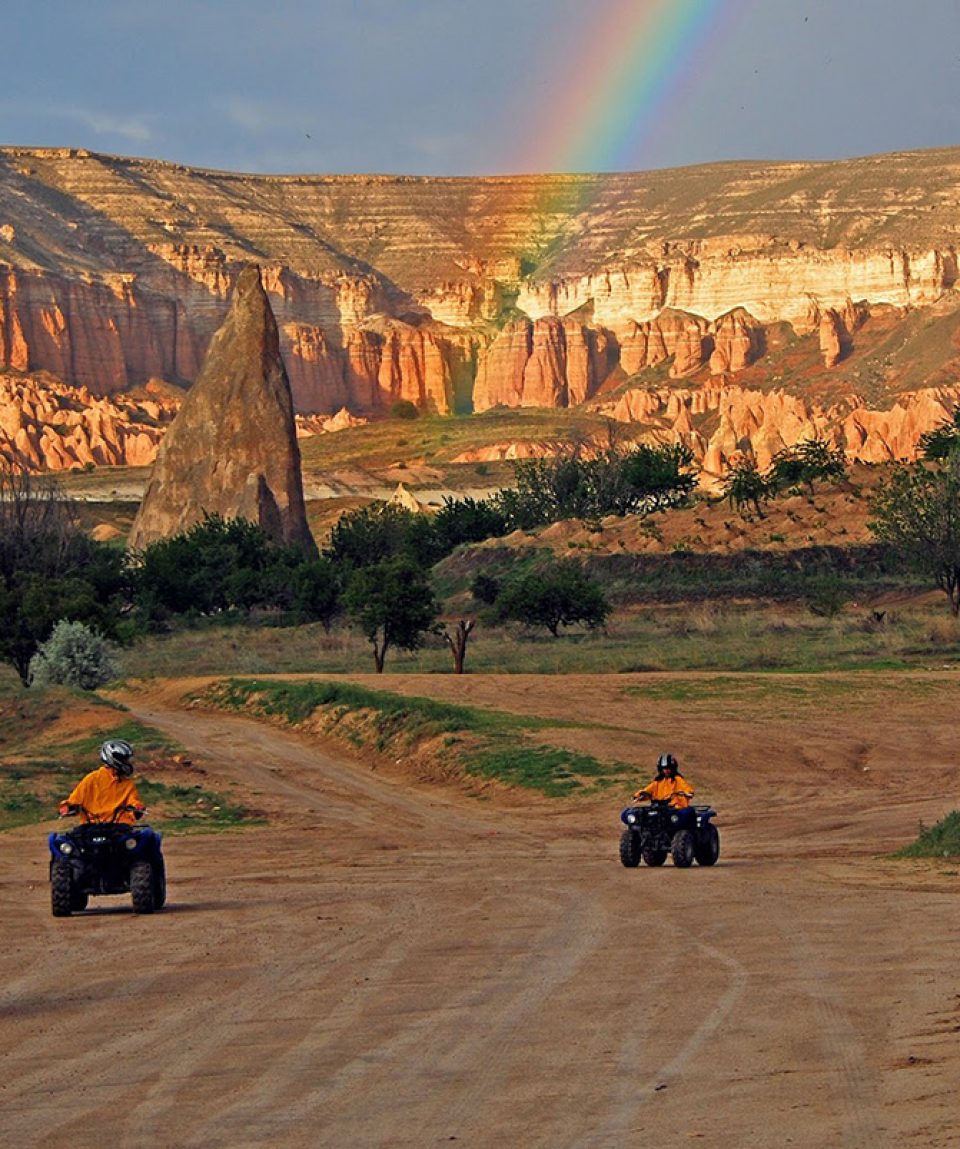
point(561, 594)
point(315, 591)
point(392, 603)
point(917, 511)
point(49, 569)
point(656, 478)
point(467, 520)
point(803, 465)
point(744, 486)
point(217, 565)
point(937, 444)
point(370, 534)
point(73, 655)
point(485, 588)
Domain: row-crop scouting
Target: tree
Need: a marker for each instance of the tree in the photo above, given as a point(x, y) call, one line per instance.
point(937, 444)
point(560, 594)
point(392, 603)
point(217, 565)
point(804, 464)
point(917, 511)
point(315, 590)
point(743, 486)
point(467, 520)
point(457, 641)
point(49, 569)
point(370, 534)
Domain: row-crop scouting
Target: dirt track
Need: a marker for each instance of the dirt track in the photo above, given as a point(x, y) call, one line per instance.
point(388, 966)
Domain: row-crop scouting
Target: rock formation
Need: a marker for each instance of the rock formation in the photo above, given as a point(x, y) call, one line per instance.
point(232, 449)
point(461, 295)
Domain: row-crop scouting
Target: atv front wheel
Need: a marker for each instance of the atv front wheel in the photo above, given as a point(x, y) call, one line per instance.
point(654, 857)
point(630, 848)
point(143, 891)
point(61, 889)
point(159, 883)
point(681, 849)
point(707, 848)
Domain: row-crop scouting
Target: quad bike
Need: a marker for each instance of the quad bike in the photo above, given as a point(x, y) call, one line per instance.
point(106, 857)
point(654, 831)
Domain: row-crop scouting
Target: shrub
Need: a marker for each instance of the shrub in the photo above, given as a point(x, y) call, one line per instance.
point(73, 655)
point(404, 409)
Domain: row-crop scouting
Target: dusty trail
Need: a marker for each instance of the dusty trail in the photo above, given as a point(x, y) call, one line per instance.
point(387, 968)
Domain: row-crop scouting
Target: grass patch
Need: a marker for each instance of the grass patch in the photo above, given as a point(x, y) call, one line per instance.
point(487, 744)
point(939, 841)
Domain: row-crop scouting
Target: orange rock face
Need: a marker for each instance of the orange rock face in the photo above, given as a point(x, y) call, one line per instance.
point(461, 295)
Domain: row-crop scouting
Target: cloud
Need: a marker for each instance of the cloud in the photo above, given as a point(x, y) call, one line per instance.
point(106, 124)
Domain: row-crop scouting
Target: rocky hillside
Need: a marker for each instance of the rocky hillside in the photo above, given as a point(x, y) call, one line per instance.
point(808, 295)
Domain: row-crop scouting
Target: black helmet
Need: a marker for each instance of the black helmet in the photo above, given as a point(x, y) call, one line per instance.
point(118, 755)
point(664, 762)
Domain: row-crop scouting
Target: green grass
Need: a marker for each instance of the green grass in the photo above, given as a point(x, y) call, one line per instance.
point(939, 841)
point(486, 744)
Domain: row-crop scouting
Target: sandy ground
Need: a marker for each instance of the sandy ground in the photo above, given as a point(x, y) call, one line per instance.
point(388, 965)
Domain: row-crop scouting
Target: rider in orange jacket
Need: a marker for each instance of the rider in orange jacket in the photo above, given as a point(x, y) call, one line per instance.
point(669, 785)
point(109, 793)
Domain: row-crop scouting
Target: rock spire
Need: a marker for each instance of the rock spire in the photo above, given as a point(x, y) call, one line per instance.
point(232, 449)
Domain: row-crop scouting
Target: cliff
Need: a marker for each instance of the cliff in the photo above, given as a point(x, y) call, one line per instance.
point(464, 294)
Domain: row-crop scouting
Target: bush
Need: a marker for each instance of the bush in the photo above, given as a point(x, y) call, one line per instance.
point(73, 655)
point(404, 409)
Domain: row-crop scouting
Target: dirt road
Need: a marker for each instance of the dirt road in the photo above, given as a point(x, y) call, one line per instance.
point(391, 967)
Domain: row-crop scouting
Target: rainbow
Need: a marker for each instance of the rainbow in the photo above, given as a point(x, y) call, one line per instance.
point(632, 64)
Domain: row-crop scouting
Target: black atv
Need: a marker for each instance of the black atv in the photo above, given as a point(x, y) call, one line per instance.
point(652, 832)
point(106, 858)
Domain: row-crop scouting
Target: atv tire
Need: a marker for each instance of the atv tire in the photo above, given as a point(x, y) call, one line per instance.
point(630, 848)
point(78, 900)
point(654, 857)
point(61, 889)
point(707, 848)
point(681, 849)
point(159, 884)
point(143, 890)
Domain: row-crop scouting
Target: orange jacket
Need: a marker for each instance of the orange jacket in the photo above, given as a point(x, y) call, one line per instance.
point(100, 793)
point(677, 789)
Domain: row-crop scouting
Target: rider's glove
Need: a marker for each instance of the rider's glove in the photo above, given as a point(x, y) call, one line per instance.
point(64, 809)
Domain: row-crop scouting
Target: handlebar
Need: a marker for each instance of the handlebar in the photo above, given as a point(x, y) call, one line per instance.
point(67, 809)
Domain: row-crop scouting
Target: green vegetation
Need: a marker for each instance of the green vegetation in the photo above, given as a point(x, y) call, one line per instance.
point(939, 841)
point(917, 512)
point(485, 744)
point(552, 594)
point(73, 655)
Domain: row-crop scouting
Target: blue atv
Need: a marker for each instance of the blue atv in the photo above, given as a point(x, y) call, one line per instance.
point(107, 857)
point(688, 835)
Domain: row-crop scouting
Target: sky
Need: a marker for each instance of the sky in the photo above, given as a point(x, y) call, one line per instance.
point(480, 87)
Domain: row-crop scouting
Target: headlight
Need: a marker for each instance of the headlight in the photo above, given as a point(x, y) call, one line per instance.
point(674, 818)
point(65, 847)
point(130, 843)
point(631, 818)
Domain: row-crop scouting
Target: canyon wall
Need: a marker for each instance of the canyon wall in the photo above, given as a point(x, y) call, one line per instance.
point(462, 295)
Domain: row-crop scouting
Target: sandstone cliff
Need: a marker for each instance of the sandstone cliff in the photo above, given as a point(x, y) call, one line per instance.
point(464, 294)
point(232, 449)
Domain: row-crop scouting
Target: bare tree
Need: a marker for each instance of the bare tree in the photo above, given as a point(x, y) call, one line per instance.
point(457, 641)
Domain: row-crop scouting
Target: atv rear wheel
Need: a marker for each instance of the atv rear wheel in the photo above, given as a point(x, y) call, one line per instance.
point(681, 849)
point(630, 848)
point(61, 889)
point(142, 888)
point(707, 848)
point(654, 857)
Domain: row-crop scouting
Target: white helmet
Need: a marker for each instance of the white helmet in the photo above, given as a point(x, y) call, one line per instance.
point(118, 755)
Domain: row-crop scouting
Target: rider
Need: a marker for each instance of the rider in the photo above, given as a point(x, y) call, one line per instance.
point(109, 793)
point(669, 785)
